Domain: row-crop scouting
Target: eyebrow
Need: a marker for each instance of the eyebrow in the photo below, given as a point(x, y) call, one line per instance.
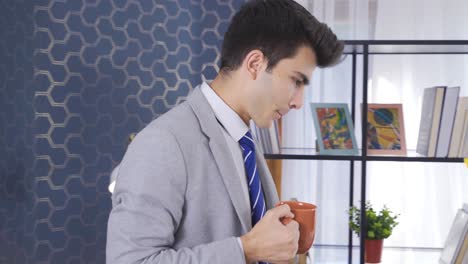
point(304, 77)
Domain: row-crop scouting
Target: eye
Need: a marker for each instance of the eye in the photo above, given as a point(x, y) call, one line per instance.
point(297, 82)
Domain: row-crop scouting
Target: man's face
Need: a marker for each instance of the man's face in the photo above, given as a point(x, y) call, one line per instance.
point(282, 89)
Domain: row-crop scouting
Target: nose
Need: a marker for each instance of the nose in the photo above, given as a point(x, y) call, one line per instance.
point(298, 100)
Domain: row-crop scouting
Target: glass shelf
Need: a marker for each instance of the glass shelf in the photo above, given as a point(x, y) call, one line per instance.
point(339, 255)
point(407, 46)
point(311, 154)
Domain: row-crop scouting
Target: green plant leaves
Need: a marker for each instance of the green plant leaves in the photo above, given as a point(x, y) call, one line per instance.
point(379, 224)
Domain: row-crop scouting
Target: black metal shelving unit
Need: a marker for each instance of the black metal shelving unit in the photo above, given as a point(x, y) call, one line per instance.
point(364, 49)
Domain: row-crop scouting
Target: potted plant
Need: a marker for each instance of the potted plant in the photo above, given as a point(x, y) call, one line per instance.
point(379, 226)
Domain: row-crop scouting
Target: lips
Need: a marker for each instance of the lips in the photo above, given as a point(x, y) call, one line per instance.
point(282, 112)
point(279, 114)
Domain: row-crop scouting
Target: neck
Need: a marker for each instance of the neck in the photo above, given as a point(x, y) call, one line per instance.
point(230, 88)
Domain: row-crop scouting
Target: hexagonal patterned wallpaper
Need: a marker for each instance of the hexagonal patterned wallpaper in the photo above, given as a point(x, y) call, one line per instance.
point(16, 131)
point(76, 78)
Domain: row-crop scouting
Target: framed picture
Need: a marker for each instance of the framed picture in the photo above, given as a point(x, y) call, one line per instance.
point(334, 128)
point(385, 129)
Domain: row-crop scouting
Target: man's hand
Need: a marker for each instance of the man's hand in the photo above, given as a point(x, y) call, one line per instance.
point(270, 240)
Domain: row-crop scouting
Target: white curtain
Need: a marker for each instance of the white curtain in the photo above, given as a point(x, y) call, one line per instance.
point(426, 195)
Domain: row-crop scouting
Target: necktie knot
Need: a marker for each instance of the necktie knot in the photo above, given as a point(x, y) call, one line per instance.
point(247, 142)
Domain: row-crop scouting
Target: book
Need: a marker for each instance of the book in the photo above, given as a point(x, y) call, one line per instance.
point(385, 129)
point(463, 151)
point(264, 139)
point(455, 238)
point(256, 134)
point(446, 121)
point(267, 138)
point(334, 129)
point(266, 135)
point(457, 131)
point(275, 139)
point(462, 257)
point(273, 136)
point(430, 120)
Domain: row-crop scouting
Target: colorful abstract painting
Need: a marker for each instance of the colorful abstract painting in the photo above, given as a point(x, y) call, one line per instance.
point(335, 134)
point(385, 129)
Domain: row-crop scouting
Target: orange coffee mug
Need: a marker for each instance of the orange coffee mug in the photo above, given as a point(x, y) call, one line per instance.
point(304, 214)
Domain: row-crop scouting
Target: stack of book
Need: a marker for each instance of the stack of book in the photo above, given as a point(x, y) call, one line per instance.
point(443, 130)
point(268, 138)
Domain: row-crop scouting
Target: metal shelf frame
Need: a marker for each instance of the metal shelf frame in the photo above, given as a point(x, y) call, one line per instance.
point(366, 48)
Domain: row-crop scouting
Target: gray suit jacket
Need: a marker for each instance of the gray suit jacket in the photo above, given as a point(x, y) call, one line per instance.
point(178, 198)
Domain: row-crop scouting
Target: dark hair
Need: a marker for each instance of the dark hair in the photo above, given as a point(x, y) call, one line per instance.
point(277, 28)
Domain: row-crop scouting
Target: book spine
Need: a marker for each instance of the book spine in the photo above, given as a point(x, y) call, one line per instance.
point(426, 120)
point(446, 122)
point(435, 127)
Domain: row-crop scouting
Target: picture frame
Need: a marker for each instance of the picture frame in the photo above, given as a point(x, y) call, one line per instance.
point(385, 129)
point(334, 129)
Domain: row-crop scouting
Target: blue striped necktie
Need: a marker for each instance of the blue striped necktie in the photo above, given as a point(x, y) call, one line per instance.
point(257, 200)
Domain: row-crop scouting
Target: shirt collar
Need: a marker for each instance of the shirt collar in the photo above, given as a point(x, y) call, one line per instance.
point(228, 118)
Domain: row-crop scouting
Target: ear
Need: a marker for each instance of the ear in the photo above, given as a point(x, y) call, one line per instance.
point(253, 63)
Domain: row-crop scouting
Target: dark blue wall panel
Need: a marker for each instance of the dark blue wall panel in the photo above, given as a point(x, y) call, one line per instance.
point(16, 131)
point(76, 78)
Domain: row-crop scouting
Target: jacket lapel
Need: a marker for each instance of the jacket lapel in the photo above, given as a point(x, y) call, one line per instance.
point(211, 128)
point(268, 185)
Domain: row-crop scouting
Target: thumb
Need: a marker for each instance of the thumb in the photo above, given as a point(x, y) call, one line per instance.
point(283, 211)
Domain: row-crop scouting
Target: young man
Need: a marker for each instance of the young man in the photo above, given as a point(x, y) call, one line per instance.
point(192, 187)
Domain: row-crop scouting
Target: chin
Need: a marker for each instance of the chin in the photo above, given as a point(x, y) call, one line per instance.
point(264, 123)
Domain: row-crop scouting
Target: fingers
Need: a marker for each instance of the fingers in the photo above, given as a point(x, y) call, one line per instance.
point(285, 220)
point(294, 225)
point(293, 229)
point(279, 241)
point(282, 211)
